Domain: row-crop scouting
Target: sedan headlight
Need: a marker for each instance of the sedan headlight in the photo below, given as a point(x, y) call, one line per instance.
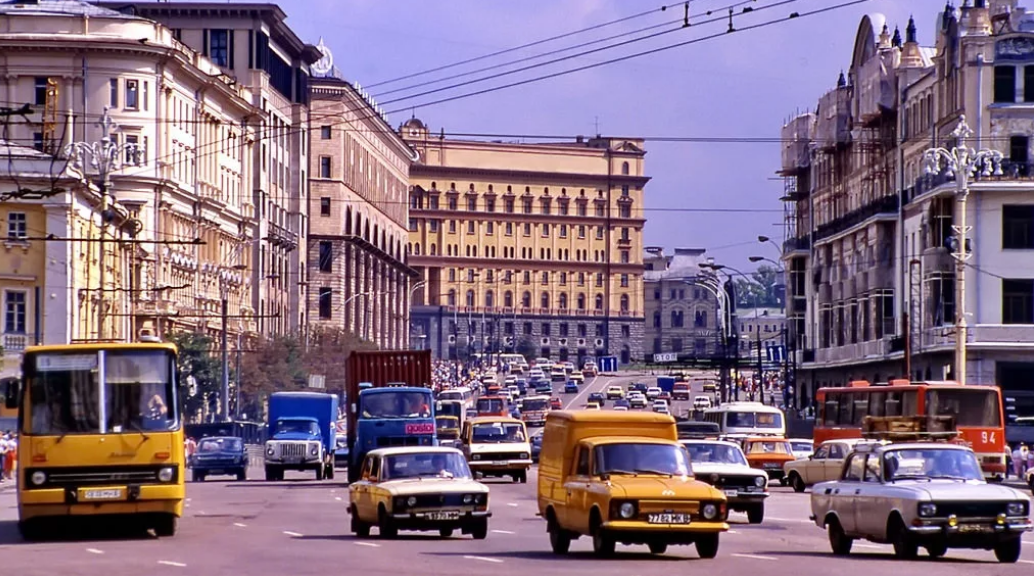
point(759, 481)
point(710, 511)
point(38, 478)
point(480, 498)
point(626, 510)
point(166, 474)
point(927, 509)
point(468, 498)
point(1016, 509)
point(477, 456)
point(525, 455)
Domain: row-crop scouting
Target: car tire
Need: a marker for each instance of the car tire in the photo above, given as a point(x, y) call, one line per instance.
point(319, 473)
point(905, 547)
point(198, 476)
point(937, 550)
point(839, 541)
point(756, 514)
point(242, 475)
point(658, 547)
point(797, 482)
point(445, 532)
point(707, 545)
point(522, 477)
point(386, 528)
point(603, 544)
point(165, 526)
point(480, 530)
point(1008, 551)
point(559, 539)
point(359, 528)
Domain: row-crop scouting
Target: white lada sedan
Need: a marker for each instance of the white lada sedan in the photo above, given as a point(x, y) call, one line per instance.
point(924, 494)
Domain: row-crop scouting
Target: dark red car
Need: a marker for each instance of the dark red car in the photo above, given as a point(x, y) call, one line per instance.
point(555, 404)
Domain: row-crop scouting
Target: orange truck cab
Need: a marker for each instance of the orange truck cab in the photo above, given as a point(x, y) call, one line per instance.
point(492, 406)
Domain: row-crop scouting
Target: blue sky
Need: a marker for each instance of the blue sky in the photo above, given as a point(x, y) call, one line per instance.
point(744, 84)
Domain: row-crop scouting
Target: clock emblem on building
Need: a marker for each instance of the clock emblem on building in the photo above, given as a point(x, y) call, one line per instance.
point(324, 65)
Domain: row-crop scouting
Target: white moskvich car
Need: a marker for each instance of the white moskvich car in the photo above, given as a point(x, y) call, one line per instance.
point(723, 465)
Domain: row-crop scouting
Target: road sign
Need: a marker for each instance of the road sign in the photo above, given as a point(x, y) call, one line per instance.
point(776, 353)
point(665, 357)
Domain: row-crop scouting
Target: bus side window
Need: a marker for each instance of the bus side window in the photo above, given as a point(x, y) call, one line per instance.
point(846, 407)
point(861, 408)
point(876, 401)
point(893, 404)
point(832, 409)
point(910, 403)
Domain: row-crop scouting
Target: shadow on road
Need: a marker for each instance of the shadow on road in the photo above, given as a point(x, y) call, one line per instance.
point(547, 556)
point(374, 539)
point(289, 484)
point(871, 556)
point(69, 530)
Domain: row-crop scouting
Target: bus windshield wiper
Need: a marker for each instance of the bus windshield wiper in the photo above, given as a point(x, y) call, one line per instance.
point(136, 428)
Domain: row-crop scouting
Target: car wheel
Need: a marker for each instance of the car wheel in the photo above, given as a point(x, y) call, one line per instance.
point(445, 532)
point(797, 482)
point(359, 528)
point(1008, 552)
point(603, 544)
point(384, 525)
point(937, 550)
point(165, 526)
point(838, 540)
point(559, 539)
point(905, 547)
point(198, 476)
point(756, 514)
point(32, 530)
point(242, 475)
point(658, 547)
point(707, 545)
point(480, 530)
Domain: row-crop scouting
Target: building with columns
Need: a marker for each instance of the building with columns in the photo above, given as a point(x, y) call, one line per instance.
point(181, 175)
point(870, 237)
point(359, 166)
point(532, 248)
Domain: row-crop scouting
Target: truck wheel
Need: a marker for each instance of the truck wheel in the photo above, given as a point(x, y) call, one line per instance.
point(31, 530)
point(755, 514)
point(165, 526)
point(319, 473)
point(329, 472)
point(271, 474)
point(658, 547)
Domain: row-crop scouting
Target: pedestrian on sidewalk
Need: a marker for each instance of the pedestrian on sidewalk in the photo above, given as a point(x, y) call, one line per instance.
point(1017, 461)
point(3, 456)
point(12, 451)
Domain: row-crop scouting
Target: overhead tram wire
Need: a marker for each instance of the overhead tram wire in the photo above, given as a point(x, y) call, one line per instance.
point(684, 21)
point(663, 8)
point(593, 51)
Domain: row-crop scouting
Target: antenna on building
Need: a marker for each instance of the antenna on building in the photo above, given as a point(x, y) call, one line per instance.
point(685, 19)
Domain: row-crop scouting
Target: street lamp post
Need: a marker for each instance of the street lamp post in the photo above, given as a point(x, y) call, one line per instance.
point(757, 320)
point(225, 313)
point(104, 157)
point(962, 162)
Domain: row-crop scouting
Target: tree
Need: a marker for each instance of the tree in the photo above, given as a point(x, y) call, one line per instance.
point(526, 348)
point(329, 349)
point(197, 364)
point(761, 292)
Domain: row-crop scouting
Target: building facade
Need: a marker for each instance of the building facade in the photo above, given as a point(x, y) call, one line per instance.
point(680, 307)
point(358, 278)
point(870, 231)
point(533, 248)
point(182, 173)
point(764, 329)
point(253, 45)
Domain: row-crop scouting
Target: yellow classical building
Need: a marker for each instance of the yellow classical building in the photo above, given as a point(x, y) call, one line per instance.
point(533, 248)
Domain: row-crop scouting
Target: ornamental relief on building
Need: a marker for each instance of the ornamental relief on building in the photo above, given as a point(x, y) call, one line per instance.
point(1011, 126)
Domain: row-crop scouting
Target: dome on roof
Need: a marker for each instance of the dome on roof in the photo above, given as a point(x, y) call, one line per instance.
point(413, 123)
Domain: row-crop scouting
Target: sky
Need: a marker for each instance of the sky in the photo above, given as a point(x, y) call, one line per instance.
point(736, 85)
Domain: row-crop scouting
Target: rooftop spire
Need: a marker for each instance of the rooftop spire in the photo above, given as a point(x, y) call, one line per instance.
point(910, 30)
point(896, 40)
point(842, 81)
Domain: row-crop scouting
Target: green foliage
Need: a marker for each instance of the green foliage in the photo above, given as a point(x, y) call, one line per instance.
point(761, 292)
point(198, 358)
point(527, 348)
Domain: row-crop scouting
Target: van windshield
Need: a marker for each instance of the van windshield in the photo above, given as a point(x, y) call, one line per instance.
point(635, 459)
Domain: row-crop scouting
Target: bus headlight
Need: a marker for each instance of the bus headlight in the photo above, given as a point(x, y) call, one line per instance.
point(166, 474)
point(710, 511)
point(38, 478)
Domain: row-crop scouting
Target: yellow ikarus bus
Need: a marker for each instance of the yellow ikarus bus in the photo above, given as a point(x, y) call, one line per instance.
point(100, 435)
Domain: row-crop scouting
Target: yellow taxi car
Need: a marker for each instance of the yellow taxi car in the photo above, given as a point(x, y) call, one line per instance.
point(577, 378)
point(623, 477)
point(446, 497)
point(591, 406)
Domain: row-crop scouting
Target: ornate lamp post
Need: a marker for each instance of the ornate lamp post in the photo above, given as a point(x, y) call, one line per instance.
point(962, 162)
point(103, 157)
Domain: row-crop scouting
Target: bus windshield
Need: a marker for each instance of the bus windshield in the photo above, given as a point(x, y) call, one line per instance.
point(531, 404)
point(969, 407)
point(68, 393)
point(753, 420)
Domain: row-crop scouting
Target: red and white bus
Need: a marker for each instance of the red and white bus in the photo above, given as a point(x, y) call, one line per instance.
point(977, 410)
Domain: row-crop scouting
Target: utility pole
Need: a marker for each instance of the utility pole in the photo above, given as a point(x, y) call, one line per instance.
point(761, 367)
point(104, 156)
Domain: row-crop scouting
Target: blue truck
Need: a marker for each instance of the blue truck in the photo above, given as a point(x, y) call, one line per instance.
point(666, 383)
point(302, 434)
point(390, 403)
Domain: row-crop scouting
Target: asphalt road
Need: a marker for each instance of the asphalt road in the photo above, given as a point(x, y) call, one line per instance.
point(300, 527)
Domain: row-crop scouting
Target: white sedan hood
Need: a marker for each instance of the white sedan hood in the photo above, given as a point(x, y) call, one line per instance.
point(705, 468)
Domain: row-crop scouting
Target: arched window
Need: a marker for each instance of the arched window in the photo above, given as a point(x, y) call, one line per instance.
point(545, 300)
point(489, 299)
point(434, 249)
point(470, 298)
point(526, 300)
point(624, 168)
point(416, 249)
point(624, 302)
point(452, 297)
point(562, 301)
point(581, 301)
point(508, 299)
point(599, 301)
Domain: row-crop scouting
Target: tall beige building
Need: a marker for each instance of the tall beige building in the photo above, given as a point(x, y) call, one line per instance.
point(870, 231)
point(358, 278)
point(534, 248)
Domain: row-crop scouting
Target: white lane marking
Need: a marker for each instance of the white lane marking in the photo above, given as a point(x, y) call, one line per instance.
point(295, 534)
point(338, 498)
point(511, 504)
point(586, 387)
point(733, 532)
point(239, 525)
point(755, 557)
point(861, 545)
point(502, 532)
point(368, 544)
point(1026, 561)
point(483, 559)
point(789, 520)
point(171, 563)
point(94, 551)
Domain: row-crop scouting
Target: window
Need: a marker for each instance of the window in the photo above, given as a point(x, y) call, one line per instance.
point(509, 228)
point(324, 166)
point(113, 93)
point(219, 47)
point(624, 280)
point(14, 312)
point(527, 229)
point(470, 298)
point(132, 94)
point(545, 278)
point(452, 274)
point(545, 300)
point(526, 302)
point(489, 299)
point(472, 204)
point(17, 226)
point(489, 205)
point(452, 203)
point(470, 227)
point(325, 132)
point(508, 303)
point(599, 301)
point(41, 90)
point(1005, 84)
point(599, 232)
point(1018, 227)
point(581, 302)
point(451, 299)
point(132, 150)
point(489, 228)
point(581, 231)
point(625, 256)
point(326, 256)
point(325, 206)
point(1019, 151)
point(563, 230)
point(1028, 83)
point(624, 211)
point(508, 205)
point(37, 141)
point(452, 226)
point(545, 230)
point(326, 301)
point(1017, 301)
point(656, 319)
point(470, 275)
point(624, 302)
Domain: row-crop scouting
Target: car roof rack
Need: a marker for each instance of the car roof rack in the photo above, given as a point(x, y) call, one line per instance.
point(910, 428)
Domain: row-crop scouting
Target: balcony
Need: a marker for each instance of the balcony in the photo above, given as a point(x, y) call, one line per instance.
point(937, 259)
point(280, 236)
point(849, 352)
point(885, 205)
point(1001, 333)
point(802, 244)
point(15, 342)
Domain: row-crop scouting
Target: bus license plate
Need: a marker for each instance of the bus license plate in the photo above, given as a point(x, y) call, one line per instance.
point(446, 515)
point(102, 494)
point(667, 518)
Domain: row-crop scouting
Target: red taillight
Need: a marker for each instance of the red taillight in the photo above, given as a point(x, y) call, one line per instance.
point(161, 455)
point(39, 457)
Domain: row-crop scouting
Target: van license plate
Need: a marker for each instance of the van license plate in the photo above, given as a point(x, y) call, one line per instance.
point(446, 515)
point(667, 518)
point(732, 493)
point(102, 494)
